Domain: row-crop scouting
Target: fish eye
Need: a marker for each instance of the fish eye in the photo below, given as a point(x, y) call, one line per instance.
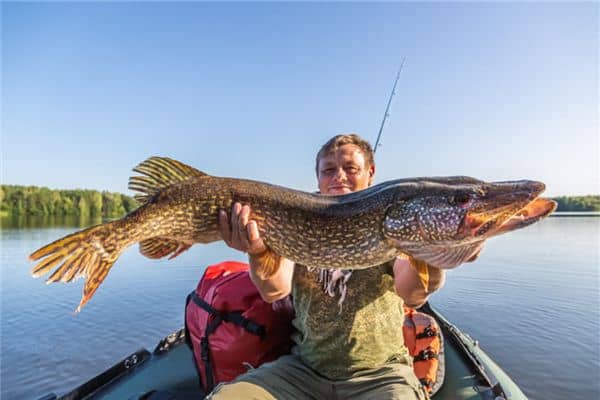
point(460, 199)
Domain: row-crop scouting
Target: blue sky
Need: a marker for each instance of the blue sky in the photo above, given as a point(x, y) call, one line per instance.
point(496, 91)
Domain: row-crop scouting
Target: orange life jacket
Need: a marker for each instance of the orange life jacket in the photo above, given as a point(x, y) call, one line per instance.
point(423, 339)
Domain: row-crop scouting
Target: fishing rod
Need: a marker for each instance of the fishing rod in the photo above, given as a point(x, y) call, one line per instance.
point(387, 108)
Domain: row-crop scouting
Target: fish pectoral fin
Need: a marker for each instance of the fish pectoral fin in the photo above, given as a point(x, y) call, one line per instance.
point(270, 262)
point(160, 247)
point(159, 173)
point(423, 271)
point(445, 257)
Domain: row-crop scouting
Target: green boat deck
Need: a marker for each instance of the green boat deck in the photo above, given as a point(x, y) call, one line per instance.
point(469, 372)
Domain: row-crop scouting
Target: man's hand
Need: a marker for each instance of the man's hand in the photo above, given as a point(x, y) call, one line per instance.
point(271, 273)
point(239, 232)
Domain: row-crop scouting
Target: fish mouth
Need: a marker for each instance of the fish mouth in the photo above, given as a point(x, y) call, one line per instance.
point(509, 206)
point(534, 211)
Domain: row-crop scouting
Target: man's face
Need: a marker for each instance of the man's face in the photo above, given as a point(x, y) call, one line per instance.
point(344, 170)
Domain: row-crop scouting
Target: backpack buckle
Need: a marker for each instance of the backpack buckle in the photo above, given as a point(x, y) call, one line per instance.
point(429, 331)
point(427, 354)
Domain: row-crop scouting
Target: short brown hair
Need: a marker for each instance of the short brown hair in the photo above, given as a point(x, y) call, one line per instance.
point(339, 140)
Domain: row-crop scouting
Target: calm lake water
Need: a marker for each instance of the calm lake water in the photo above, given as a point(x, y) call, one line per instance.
point(532, 300)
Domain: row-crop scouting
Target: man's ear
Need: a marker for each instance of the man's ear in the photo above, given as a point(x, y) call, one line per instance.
point(371, 173)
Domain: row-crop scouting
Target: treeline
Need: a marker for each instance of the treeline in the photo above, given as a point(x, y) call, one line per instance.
point(34, 200)
point(578, 203)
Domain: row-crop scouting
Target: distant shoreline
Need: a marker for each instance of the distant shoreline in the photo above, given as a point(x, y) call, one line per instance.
point(575, 214)
point(35, 200)
point(17, 200)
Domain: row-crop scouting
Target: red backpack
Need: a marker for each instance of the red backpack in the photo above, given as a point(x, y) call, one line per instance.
point(230, 328)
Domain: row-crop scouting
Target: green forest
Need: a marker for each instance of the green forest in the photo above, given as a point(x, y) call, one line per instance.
point(578, 203)
point(34, 200)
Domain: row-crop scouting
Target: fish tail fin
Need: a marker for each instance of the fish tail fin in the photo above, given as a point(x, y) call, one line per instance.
point(89, 253)
point(93, 281)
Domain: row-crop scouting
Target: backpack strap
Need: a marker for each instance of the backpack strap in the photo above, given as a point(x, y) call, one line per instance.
point(188, 338)
point(205, 351)
point(234, 317)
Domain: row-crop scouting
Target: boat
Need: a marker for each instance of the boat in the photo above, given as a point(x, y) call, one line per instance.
point(169, 372)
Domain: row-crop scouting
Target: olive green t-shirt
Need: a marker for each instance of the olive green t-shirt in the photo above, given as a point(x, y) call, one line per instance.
point(365, 333)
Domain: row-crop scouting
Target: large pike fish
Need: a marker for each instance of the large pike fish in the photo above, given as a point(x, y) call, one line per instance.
point(441, 221)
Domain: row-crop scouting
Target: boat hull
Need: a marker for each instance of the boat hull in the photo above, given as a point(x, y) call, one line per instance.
point(469, 372)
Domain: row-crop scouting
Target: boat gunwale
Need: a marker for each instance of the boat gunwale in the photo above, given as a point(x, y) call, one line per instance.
point(473, 361)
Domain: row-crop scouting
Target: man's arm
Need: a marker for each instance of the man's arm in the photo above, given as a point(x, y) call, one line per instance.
point(409, 285)
point(275, 286)
point(271, 274)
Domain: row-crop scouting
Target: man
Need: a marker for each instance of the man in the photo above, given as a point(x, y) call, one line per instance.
point(349, 342)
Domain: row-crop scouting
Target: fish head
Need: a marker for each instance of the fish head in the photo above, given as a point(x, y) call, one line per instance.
point(464, 212)
point(505, 206)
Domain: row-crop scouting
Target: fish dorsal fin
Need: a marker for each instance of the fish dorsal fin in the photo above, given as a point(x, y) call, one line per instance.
point(442, 256)
point(159, 173)
point(159, 247)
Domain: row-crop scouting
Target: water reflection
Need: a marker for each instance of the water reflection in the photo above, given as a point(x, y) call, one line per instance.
point(523, 299)
point(47, 221)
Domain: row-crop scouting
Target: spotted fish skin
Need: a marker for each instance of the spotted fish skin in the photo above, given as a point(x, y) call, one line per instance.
point(442, 221)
